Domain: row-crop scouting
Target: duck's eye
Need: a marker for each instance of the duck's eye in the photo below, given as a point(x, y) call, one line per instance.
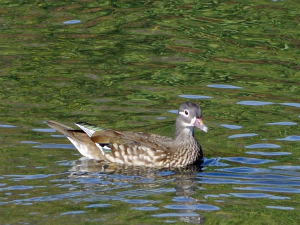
point(186, 112)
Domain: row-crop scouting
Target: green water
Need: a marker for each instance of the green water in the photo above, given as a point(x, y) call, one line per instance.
point(124, 65)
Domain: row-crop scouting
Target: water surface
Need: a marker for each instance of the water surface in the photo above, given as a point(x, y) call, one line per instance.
point(128, 66)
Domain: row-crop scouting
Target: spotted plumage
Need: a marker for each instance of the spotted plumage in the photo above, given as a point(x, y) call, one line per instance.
point(138, 148)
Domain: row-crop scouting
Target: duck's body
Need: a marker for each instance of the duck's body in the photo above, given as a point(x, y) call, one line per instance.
point(141, 149)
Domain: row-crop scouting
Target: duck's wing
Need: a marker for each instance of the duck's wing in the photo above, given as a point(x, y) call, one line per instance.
point(126, 147)
point(135, 148)
point(136, 153)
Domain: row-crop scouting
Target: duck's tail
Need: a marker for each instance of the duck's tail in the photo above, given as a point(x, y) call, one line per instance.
point(80, 140)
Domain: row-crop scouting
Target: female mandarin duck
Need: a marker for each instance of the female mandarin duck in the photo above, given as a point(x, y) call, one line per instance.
point(141, 149)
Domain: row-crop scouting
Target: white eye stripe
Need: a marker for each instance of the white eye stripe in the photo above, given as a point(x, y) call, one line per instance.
point(182, 113)
point(185, 113)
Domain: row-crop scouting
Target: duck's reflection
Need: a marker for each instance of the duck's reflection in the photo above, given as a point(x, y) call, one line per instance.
point(183, 179)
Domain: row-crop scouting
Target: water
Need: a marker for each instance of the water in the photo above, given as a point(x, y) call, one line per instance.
point(128, 66)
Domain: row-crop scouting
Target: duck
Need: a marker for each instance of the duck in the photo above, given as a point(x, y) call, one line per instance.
point(139, 148)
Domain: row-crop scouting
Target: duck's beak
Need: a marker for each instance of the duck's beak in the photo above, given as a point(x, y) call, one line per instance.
point(199, 123)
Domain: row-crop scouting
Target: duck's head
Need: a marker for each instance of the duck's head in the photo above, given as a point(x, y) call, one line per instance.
point(190, 116)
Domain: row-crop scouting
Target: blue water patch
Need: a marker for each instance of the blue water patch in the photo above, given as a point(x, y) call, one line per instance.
point(175, 215)
point(52, 145)
point(257, 195)
point(270, 189)
point(137, 201)
point(72, 212)
point(161, 118)
point(243, 135)
point(175, 111)
point(283, 123)
point(146, 208)
point(233, 127)
point(263, 145)
point(28, 177)
point(224, 86)
point(195, 96)
point(91, 180)
point(70, 22)
point(280, 207)
point(254, 103)
point(17, 187)
point(290, 138)
point(46, 130)
point(246, 160)
point(204, 207)
point(182, 199)
point(213, 162)
point(291, 104)
point(268, 153)
point(7, 126)
point(97, 206)
point(284, 167)
point(58, 135)
point(29, 142)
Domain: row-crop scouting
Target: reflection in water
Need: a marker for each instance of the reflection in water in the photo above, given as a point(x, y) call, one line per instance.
point(99, 185)
point(183, 178)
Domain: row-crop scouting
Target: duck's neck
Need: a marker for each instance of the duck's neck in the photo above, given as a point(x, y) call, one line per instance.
point(183, 133)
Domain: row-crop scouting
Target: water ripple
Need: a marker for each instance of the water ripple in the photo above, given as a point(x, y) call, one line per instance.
point(29, 177)
point(248, 176)
point(46, 130)
point(174, 111)
point(263, 145)
point(291, 104)
point(195, 96)
point(145, 208)
point(280, 207)
point(97, 206)
point(70, 22)
point(284, 167)
point(20, 187)
point(72, 212)
point(213, 162)
point(53, 145)
point(246, 160)
point(243, 135)
point(254, 103)
point(283, 123)
point(233, 127)
point(269, 189)
point(224, 86)
point(175, 215)
point(251, 170)
point(138, 201)
point(7, 126)
point(268, 153)
point(193, 207)
point(290, 138)
point(257, 195)
point(182, 199)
